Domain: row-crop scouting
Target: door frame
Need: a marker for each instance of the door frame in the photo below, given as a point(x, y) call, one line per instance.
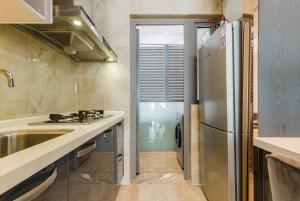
point(190, 81)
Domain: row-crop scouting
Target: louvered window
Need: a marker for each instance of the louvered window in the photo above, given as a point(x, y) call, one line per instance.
point(161, 73)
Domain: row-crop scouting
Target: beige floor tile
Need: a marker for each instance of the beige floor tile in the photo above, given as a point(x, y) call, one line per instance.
point(251, 186)
point(159, 162)
point(109, 192)
point(86, 192)
point(160, 192)
point(159, 178)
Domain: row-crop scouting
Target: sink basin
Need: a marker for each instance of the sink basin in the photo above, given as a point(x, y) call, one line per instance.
point(14, 141)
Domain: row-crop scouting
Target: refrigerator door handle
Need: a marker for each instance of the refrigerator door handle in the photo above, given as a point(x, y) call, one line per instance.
point(246, 95)
point(246, 107)
point(237, 49)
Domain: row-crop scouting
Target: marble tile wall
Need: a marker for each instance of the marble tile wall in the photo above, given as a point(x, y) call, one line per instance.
point(44, 79)
point(176, 7)
point(235, 9)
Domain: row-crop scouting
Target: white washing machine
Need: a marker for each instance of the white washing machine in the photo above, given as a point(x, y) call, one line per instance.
point(179, 136)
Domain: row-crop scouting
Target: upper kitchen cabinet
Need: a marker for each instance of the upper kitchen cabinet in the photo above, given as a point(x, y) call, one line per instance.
point(25, 11)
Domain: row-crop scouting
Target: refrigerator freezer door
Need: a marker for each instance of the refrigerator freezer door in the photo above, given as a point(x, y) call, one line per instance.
point(217, 168)
point(216, 80)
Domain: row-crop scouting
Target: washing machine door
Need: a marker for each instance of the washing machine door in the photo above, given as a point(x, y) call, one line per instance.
point(178, 135)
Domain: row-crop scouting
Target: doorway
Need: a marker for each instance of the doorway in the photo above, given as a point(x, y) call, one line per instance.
point(160, 89)
point(162, 94)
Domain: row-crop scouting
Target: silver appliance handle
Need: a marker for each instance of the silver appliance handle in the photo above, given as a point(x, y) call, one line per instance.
point(87, 150)
point(39, 189)
point(246, 107)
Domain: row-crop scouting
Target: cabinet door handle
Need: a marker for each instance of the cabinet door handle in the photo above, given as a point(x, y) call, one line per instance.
point(87, 150)
point(119, 157)
point(108, 131)
point(39, 189)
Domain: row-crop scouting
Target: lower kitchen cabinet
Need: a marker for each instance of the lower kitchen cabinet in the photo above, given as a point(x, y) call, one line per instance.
point(119, 150)
point(96, 167)
point(91, 165)
point(58, 190)
point(83, 178)
point(91, 172)
point(49, 184)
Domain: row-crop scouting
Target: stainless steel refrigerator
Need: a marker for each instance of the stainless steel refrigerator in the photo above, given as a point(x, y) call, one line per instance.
point(225, 112)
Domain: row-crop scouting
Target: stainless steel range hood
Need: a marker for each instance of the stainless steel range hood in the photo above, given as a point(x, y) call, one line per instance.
point(72, 33)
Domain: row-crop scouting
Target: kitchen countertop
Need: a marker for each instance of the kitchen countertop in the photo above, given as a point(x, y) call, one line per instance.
point(285, 146)
point(19, 166)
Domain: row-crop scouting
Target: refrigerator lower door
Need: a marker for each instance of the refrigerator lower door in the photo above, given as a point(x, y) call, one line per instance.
point(218, 165)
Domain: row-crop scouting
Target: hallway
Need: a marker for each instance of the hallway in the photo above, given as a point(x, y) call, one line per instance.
point(160, 179)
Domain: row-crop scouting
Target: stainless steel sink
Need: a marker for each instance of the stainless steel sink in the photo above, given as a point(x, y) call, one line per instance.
point(14, 141)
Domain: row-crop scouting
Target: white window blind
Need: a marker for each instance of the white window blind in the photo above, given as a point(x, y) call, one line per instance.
point(161, 73)
point(175, 73)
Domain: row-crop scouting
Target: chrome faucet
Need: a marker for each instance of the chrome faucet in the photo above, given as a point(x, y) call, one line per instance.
point(9, 77)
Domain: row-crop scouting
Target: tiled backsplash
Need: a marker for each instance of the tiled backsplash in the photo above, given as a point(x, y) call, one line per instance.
point(45, 80)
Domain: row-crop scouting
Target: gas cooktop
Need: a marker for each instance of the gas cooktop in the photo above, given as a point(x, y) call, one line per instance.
point(81, 117)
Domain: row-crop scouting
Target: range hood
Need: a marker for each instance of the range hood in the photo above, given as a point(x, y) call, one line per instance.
point(72, 33)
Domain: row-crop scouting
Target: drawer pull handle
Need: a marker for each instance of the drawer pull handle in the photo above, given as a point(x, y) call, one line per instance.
point(39, 189)
point(108, 131)
point(86, 151)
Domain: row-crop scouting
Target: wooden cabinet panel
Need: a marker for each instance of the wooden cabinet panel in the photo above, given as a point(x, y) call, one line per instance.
point(279, 68)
